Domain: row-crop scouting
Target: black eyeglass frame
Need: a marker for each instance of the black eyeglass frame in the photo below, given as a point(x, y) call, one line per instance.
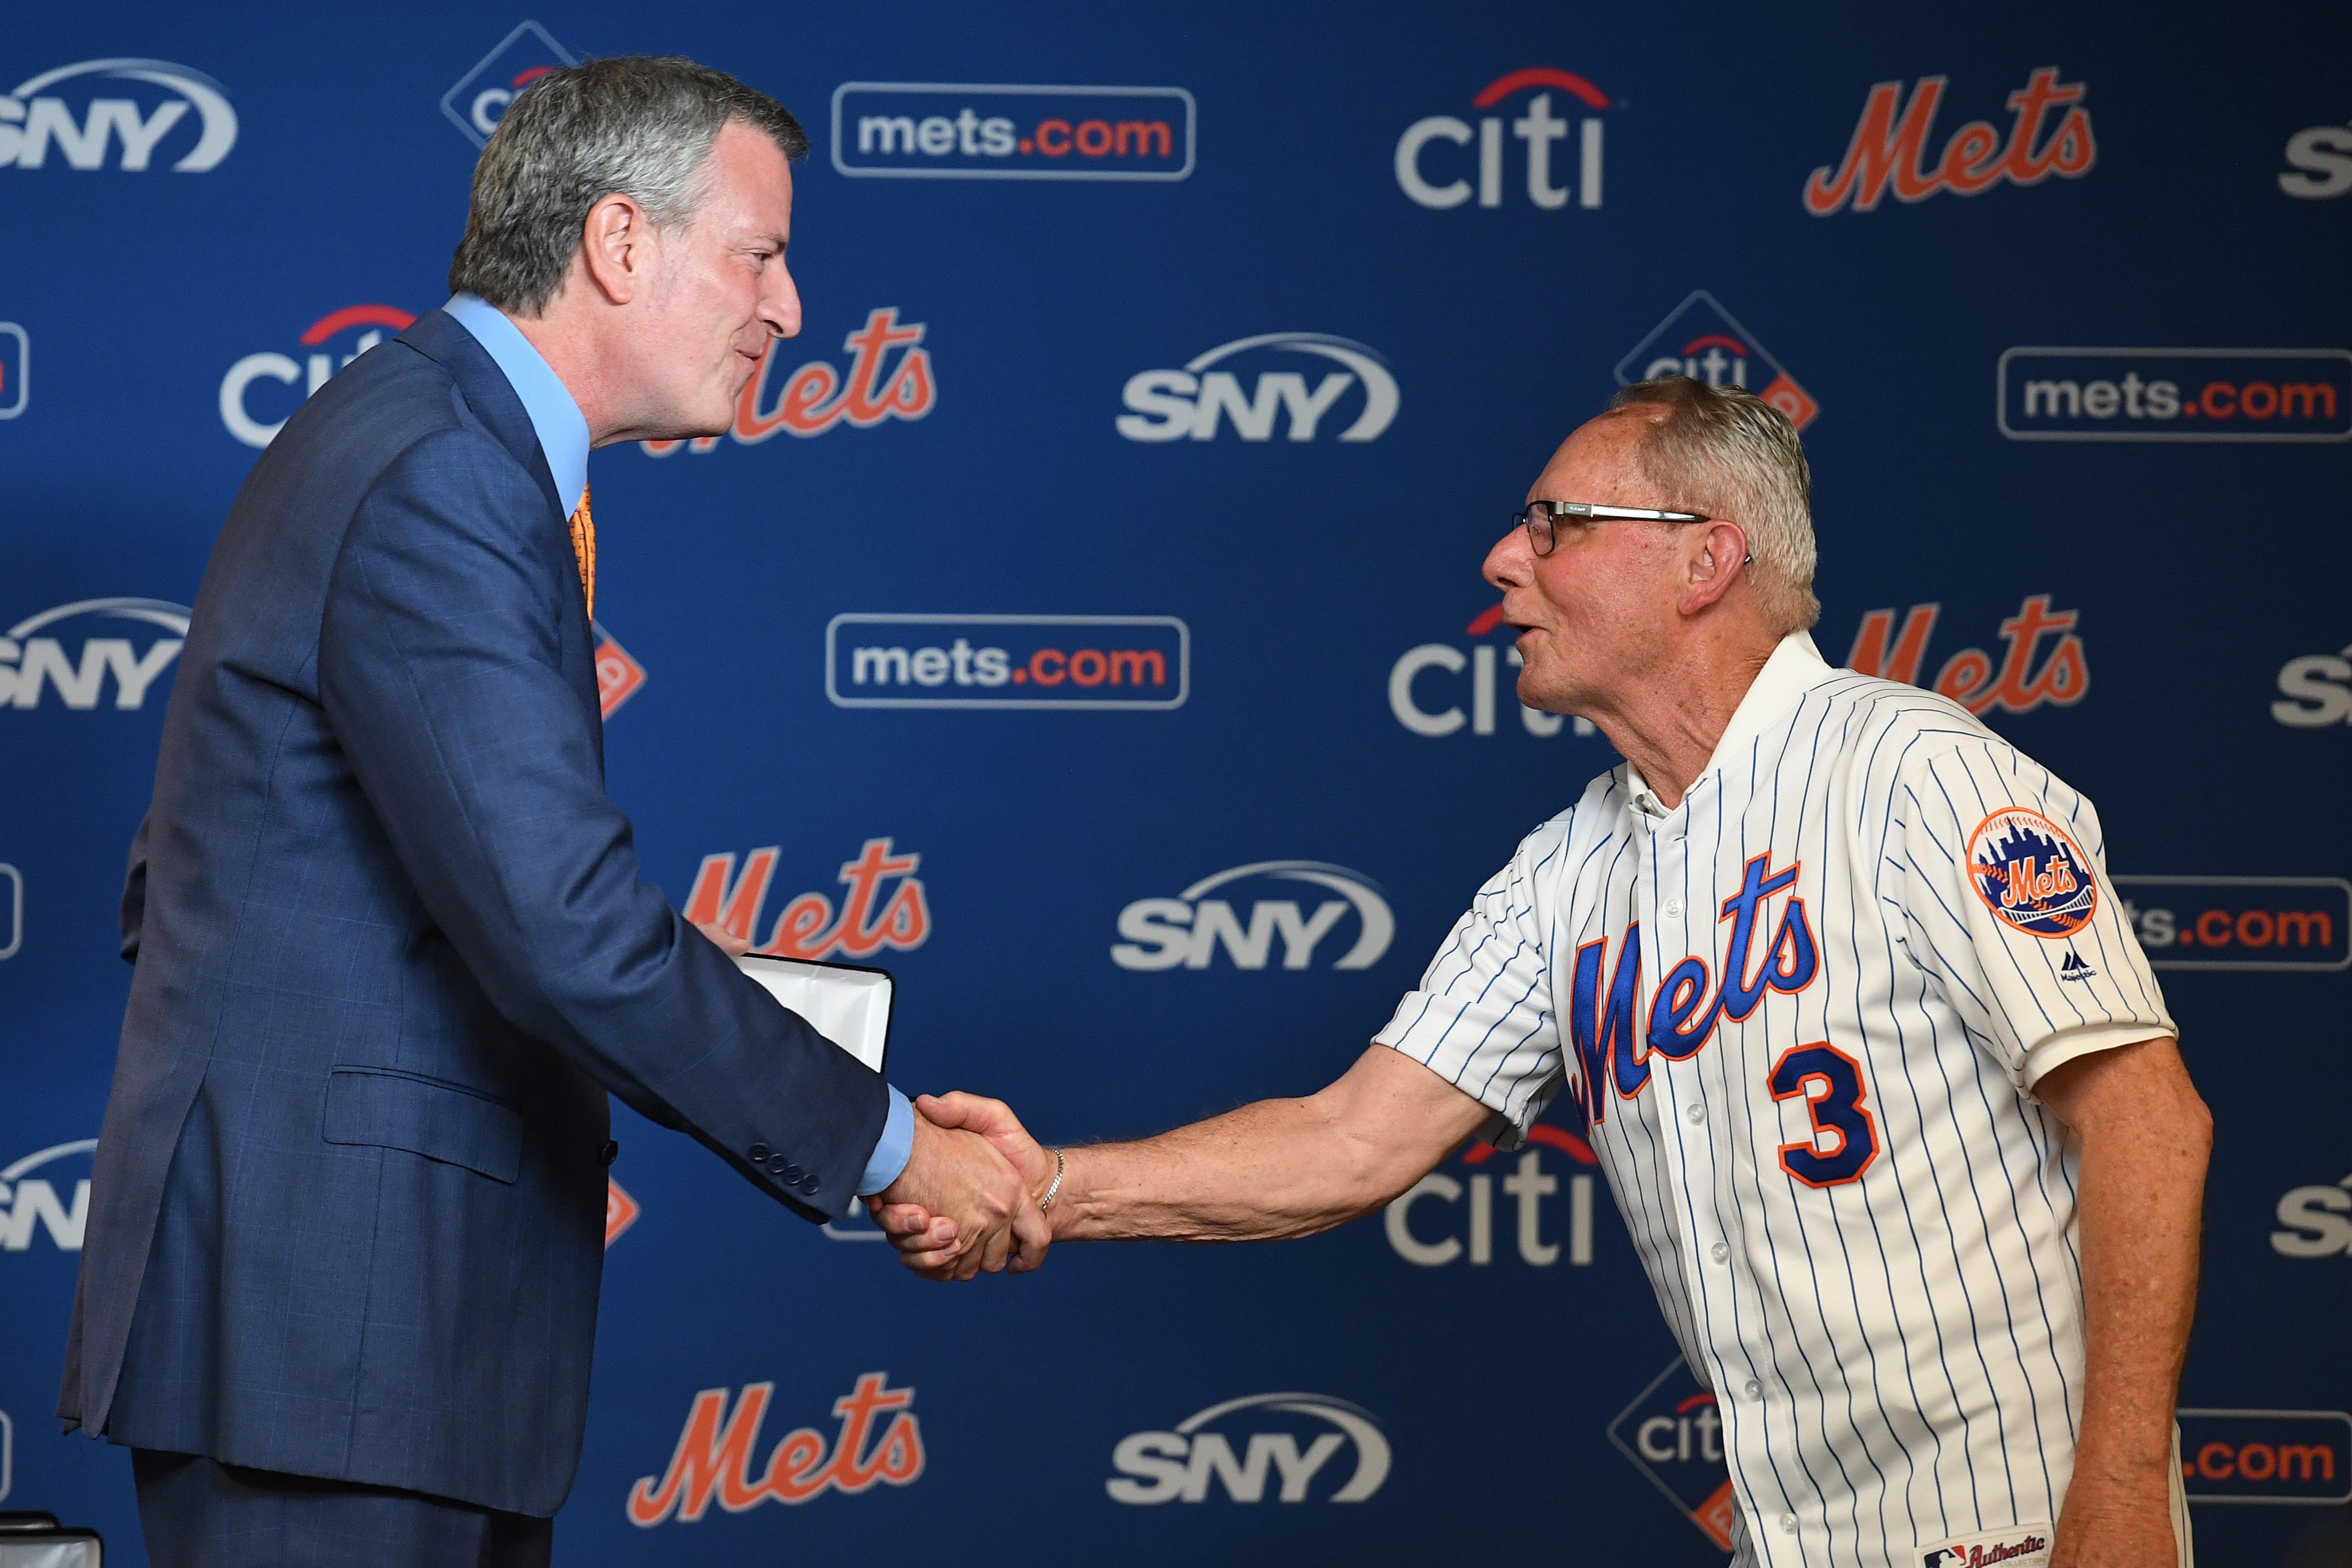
point(1545, 539)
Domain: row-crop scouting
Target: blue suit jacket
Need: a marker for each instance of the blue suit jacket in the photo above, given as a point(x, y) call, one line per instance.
point(392, 949)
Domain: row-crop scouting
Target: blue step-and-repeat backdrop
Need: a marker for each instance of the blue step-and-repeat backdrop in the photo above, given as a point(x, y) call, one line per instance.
point(1082, 618)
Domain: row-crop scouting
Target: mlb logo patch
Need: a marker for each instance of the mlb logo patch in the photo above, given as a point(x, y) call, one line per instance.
point(2018, 1546)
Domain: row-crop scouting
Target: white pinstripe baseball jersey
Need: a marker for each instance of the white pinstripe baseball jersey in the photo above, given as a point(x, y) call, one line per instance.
point(1803, 1011)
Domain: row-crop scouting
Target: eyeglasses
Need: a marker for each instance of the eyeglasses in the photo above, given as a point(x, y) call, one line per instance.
point(1540, 519)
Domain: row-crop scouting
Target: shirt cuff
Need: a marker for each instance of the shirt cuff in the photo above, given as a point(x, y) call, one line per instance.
point(895, 1147)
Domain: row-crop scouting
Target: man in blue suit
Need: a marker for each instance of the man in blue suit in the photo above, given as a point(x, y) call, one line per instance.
point(392, 947)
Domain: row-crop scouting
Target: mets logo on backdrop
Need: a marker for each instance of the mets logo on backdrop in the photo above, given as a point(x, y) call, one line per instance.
point(2031, 874)
point(1889, 150)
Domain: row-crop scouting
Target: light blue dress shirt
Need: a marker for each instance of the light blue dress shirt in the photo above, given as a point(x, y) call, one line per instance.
point(562, 431)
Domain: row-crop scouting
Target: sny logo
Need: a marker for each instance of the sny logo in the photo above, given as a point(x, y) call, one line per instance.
point(1702, 341)
point(1183, 1465)
point(1890, 144)
point(1162, 933)
point(15, 369)
point(1969, 676)
point(714, 1453)
point(807, 929)
point(29, 664)
point(1538, 128)
point(816, 397)
point(2273, 922)
point(1007, 661)
point(1528, 1186)
point(929, 130)
point(15, 908)
point(2031, 874)
point(1409, 676)
point(2318, 1221)
point(32, 119)
point(30, 1203)
point(2316, 689)
point(1170, 405)
point(2322, 157)
point(479, 101)
point(1672, 1432)
point(334, 341)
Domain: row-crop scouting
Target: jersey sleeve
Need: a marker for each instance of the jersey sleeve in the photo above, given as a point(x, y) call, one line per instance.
point(1998, 872)
point(1482, 1017)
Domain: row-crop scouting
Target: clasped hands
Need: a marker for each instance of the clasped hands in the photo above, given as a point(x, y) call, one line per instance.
point(967, 1202)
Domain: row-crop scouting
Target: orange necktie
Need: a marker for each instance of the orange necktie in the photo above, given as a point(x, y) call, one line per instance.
point(584, 549)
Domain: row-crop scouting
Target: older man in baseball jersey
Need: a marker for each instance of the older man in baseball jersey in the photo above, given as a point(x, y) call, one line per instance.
point(1886, 1093)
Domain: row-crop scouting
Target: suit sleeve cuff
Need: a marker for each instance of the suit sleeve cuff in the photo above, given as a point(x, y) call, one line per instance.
point(896, 1145)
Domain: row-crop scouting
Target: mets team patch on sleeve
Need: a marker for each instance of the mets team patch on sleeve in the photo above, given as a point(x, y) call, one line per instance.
point(2031, 874)
point(2020, 1546)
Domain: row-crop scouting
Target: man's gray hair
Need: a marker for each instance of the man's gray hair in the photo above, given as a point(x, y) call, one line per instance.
point(1727, 453)
point(640, 125)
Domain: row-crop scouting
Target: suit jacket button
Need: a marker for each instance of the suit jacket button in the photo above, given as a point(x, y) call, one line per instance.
point(612, 1150)
point(809, 1187)
point(758, 1152)
point(791, 1175)
point(778, 1166)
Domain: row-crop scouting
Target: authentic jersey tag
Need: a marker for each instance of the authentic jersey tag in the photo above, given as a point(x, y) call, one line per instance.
point(2018, 1546)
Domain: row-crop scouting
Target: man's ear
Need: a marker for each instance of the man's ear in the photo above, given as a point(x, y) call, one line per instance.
point(1718, 558)
point(616, 248)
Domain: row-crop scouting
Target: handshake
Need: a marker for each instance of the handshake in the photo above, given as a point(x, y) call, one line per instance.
point(972, 1198)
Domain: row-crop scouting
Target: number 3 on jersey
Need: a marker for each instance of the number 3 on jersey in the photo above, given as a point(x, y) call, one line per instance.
point(1830, 1083)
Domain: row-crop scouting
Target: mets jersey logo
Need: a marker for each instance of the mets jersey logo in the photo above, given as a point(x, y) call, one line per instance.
point(2031, 874)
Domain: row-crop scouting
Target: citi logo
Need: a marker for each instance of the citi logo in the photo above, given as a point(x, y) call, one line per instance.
point(277, 383)
point(32, 665)
point(2317, 1220)
point(2016, 683)
point(33, 119)
point(1448, 1232)
point(870, 919)
point(1673, 1433)
point(1187, 1464)
point(1435, 178)
point(1890, 145)
point(1187, 930)
point(816, 397)
point(479, 101)
point(1702, 341)
point(1195, 402)
point(1425, 688)
point(30, 1204)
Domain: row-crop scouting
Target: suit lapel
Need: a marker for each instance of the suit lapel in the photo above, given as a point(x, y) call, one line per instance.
point(442, 338)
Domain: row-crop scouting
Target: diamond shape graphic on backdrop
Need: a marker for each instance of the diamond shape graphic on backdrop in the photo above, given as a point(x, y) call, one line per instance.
point(482, 94)
point(1674, 1434)
point(1701, 341)
point(618, 673)
point(621, 1211)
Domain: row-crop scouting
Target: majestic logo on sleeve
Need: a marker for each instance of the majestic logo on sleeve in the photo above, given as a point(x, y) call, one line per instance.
point(2031, 874)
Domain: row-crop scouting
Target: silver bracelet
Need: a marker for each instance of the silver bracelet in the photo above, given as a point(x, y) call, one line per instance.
point(1046, 1202)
